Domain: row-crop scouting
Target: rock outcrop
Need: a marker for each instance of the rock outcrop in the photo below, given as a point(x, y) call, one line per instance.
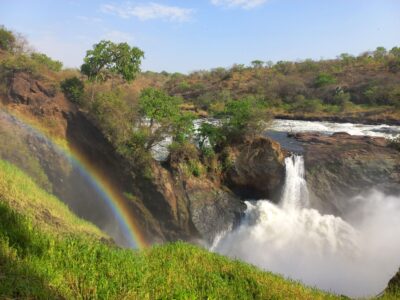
point(342, 166)
point(394, 284)
point(213, 210)
point(258, 170)
point(166, 206)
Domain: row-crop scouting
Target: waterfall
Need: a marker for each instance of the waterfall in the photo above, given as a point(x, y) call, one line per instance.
point(295, 192)
point(324, 251)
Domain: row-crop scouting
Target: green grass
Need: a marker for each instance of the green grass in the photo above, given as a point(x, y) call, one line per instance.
point(41, 258)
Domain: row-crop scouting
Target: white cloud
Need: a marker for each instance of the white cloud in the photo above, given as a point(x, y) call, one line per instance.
point(149, 11)
point(246, 4)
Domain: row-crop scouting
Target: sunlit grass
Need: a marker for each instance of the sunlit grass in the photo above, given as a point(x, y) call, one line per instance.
point(47, 253)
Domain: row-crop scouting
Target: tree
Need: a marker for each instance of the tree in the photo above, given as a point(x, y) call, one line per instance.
point(161, 117)
point(380, 53)
point(324, 79)
point(346, 58)
point(257, 63)
point(157, 106)
point(73, 89)
point(7, 39)
point(108, 57)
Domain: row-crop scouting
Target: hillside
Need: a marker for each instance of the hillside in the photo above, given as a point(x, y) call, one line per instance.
point(47, 252)
point(364, 88)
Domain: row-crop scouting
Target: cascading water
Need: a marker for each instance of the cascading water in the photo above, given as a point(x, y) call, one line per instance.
point(355, 257)
point(295, 192)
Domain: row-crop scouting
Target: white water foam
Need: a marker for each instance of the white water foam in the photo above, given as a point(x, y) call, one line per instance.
point(355, 257)
point(294, 126)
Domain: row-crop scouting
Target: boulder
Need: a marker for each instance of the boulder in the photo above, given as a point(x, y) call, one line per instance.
point(258, 171)
point(212, 209)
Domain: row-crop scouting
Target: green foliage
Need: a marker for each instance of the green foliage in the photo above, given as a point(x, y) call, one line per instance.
point(307, 106)
point(43, 59)
point(243, 117)
point(73, 89)
point(18, 63)
point(113, 115)
point(240, 118)
point(158, 106)
point(164, 117)
point(183, 128)
point(324, 79)
point(209, 136)
point(7, 39)
point(257, 63)
point(380, 53)
point(20, 192)
point(118, 59)
point(35, 64)
point(47, 253)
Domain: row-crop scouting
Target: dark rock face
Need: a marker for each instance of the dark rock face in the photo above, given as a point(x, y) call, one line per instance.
point(212, 209)
point(342, 166)
point(259, 169)
point(28, 91)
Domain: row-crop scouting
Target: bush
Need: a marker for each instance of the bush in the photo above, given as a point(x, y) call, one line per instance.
point(182, 151)
point(7, 39)
point(18, 63)
point(73, 89)
point(43, 59)
point(324, 79)
point(308, 106)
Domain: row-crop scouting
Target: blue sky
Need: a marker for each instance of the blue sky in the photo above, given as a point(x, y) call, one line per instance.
point(184, 36)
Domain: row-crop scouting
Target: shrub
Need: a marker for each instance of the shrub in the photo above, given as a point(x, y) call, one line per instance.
point(73, 89)
point(18, 63)
point(7, 39)
point(182, 151)
point(308, 106)
point(324, 79)
point(43, 59)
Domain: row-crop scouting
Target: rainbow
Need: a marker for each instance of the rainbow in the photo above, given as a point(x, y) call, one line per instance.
point(110, 195)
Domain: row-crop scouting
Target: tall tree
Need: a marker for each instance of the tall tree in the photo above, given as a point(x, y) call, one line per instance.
point(108, 57)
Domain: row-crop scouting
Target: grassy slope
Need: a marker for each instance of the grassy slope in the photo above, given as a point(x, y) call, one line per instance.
point(46, 252)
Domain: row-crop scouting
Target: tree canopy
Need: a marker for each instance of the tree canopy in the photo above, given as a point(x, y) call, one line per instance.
point(108, 57)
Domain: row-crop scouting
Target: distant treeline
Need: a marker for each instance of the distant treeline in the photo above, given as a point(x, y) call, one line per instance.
point(370, 79)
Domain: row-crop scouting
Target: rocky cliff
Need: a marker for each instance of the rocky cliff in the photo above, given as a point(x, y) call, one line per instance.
point(168, 205)
point(342, 166)
point(258, 169)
